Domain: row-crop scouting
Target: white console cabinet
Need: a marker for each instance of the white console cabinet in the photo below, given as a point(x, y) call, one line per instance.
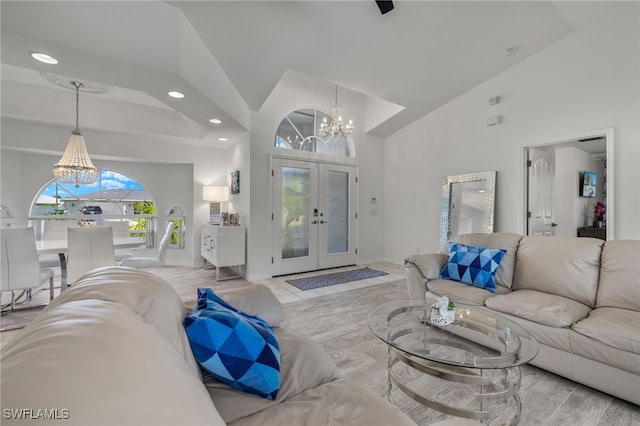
point(223, 246)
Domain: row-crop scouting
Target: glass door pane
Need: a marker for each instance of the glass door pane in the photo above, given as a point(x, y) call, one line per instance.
point(295, 209)
point(337, 212)
point(337, 207)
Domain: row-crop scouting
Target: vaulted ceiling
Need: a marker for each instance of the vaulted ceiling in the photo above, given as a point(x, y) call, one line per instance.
point(227, 56)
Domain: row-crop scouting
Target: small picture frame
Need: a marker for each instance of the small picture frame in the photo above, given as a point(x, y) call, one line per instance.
point(235, 182)
point(589, 184)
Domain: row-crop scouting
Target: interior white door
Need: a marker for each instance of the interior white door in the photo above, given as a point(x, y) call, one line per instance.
point(314, 216)
point(541, 193)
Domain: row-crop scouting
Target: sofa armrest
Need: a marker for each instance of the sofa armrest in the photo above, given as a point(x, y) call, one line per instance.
point(429, 264)
point(420, 269)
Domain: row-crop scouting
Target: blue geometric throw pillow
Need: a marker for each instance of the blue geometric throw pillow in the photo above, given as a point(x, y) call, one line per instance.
point(471, 265)
point(238, 349)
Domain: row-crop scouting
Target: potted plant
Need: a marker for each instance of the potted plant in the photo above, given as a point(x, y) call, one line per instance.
point(599, 211)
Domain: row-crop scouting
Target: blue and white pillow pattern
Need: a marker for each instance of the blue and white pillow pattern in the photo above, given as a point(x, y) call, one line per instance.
point(473, 265)
point(236, 348)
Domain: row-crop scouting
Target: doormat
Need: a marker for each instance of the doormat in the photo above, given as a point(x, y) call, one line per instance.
point(335, 278)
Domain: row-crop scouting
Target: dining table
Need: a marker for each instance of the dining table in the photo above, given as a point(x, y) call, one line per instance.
point(61, 247)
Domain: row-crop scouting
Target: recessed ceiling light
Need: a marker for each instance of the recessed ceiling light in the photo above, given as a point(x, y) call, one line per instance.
point(223, 139)
point(177, 95)
point(43, 57)
point(215, 121)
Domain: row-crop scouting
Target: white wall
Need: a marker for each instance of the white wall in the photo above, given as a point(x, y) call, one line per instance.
point(173, 174)
point(293, 92)
point(238, 158)
point(588, 80)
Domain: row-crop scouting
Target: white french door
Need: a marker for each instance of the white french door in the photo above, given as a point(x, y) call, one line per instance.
point(542, 208)
point(314, 214)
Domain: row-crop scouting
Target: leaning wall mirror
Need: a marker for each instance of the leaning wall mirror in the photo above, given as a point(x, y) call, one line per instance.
point(468, 201)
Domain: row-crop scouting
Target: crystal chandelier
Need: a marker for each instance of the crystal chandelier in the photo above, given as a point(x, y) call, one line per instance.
point(336, 128)
point(75, 166)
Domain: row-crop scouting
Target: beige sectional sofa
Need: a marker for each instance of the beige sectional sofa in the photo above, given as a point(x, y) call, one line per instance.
point(579, 297)
point(112, 350)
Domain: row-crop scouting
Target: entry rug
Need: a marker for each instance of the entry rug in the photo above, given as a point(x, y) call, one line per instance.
point(335, 278)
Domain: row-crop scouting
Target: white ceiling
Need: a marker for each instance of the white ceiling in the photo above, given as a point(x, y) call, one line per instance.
point(227, 56)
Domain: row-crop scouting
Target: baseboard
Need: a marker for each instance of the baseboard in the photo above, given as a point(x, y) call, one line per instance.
point(394, 261)
point(257, 277)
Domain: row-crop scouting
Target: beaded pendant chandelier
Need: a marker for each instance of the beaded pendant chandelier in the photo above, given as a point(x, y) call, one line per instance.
point(75, 166)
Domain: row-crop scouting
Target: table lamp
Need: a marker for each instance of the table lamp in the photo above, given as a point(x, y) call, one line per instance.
point(215, 195)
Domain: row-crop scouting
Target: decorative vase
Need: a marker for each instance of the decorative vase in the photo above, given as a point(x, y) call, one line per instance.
point(598, 223)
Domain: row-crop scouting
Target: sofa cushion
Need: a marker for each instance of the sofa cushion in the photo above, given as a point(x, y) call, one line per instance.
point(564, 266)
point(238, 349)
point(543, 308)
point(462, 293)
point(586, 347)
point(150, 297)
point(473, 265)
point(342, 402)
point(619, 284)
point(615, 327)
point(105, 365)
point(303, 365)
point(554, 337)
point(498, 240)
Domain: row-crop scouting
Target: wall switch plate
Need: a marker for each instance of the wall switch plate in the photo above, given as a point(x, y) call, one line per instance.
point(492, 121)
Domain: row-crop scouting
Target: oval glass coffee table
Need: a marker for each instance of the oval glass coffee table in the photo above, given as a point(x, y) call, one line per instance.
point(468, 368)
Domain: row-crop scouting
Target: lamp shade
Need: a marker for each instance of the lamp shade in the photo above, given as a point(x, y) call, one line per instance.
point(215, 193)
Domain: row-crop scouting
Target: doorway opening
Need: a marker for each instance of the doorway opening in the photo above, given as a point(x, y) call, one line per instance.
point(553, 175)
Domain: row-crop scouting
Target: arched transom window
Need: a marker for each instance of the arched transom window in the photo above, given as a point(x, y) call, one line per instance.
point(300, 130)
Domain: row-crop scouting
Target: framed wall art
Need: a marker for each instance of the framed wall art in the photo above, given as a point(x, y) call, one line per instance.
point(589, 184)
point(235, 182)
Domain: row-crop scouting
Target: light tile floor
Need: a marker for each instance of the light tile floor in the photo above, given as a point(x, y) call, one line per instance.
point(187, 280)
point(284, 291)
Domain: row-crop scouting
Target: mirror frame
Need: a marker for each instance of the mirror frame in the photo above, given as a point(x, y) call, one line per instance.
point(489, 177)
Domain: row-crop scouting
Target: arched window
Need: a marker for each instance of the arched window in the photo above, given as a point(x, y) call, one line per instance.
point(178, 216)
point(299, 131)
point(6, 216)
point(114, 197)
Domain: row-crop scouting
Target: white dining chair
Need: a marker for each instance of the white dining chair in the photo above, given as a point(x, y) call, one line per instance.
point(57, 229)
point(158, 258)
point(20, 267)
point(54, 229)
point(87, 249)
point(120, 231)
